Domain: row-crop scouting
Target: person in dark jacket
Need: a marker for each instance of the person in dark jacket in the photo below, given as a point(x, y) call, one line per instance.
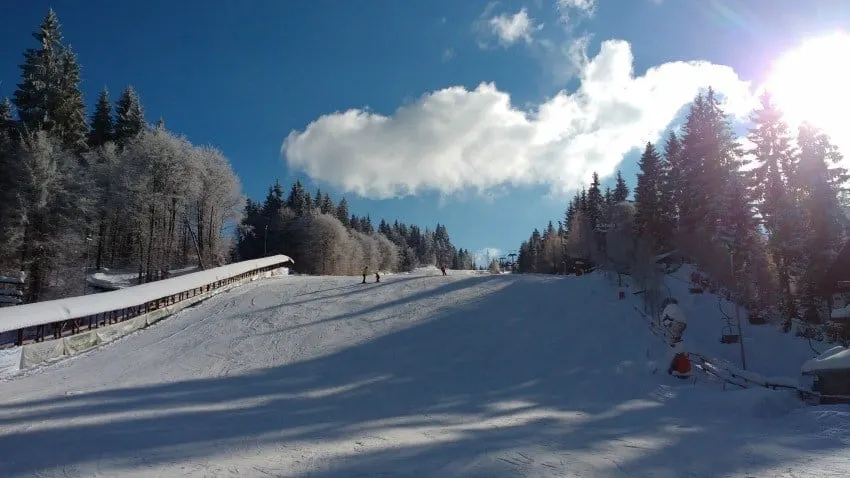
point(377, 277)
point(365, 272)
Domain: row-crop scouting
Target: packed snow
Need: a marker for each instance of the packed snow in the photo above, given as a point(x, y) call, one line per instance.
point(420, 375)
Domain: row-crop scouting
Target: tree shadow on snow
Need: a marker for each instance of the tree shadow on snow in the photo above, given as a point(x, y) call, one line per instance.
point(541, 363)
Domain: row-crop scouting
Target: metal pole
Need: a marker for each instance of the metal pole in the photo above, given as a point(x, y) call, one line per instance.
point(265, 242)
point(737, 312)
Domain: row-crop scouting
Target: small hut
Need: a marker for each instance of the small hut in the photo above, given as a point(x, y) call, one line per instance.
point(830, 375)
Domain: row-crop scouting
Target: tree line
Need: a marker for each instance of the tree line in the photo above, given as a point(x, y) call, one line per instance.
point(112, 191)
point(108, 190)
point(325, 238)
point(777, 207)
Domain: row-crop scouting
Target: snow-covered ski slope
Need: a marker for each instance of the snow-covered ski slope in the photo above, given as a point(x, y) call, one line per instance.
point(420, 375)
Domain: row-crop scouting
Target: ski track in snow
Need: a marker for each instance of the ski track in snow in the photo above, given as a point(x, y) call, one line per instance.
point(421, 375)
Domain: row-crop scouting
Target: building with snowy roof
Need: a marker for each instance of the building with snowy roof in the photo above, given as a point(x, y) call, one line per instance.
point(830, 374)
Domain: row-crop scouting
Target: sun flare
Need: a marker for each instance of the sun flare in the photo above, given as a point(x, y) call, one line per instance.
point(810, 83)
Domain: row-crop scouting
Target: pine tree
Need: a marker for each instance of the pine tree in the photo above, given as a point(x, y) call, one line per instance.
point(274, 201)
point(608, 203)
point(819, 181)
point(671, 189)
point(8, 194)
point(711, 159)
point(297, 199)
point(342, 212)
point(647, 191)
point(48, 97)
point(129, 116)
point(326, 205)
point(775, 158)
point(102, 126)
point(71, 110)
point(594, 203)
point(621, 190)
point(7, 123)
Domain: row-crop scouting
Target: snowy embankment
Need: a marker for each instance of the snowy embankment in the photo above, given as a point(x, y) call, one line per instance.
point(420, 375)
point(774, 359)
point(203, 284)
point(768, 351)
point(772, 356)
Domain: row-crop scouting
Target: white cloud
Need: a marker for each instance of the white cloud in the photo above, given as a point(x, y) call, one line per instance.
point(448, 54)
point(457, 139)
point(481, 256)
point(568, 9)
point(512, 28)
point(506, 28)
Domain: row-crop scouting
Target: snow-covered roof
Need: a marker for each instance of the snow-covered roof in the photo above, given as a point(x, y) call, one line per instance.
point(13, 280)
point(842, 313)
point(675, 313)
point(836, 358)
point(39, 313)
point(661, 257)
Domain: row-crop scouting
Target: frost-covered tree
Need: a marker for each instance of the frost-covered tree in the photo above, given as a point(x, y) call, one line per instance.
point(213, 204)
point(51, 199)
point(129, 116)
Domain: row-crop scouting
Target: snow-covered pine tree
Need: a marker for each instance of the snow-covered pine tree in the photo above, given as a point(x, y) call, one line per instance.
point(102, 125)
point(129, 116)
point(52, 200)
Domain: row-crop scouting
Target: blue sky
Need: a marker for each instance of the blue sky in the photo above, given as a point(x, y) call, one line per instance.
point(486, 160)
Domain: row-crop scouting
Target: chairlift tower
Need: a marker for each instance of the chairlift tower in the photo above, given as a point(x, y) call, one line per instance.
point(729, 240)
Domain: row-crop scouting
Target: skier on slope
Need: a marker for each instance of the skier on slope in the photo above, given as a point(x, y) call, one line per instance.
point(377, 276)
point(443, 269)
point(365, 273)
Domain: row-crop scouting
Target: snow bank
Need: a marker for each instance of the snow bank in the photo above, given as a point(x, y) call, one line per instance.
point(673, 312)
point(836, 358)
point(769, 351)
point(40, 313)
